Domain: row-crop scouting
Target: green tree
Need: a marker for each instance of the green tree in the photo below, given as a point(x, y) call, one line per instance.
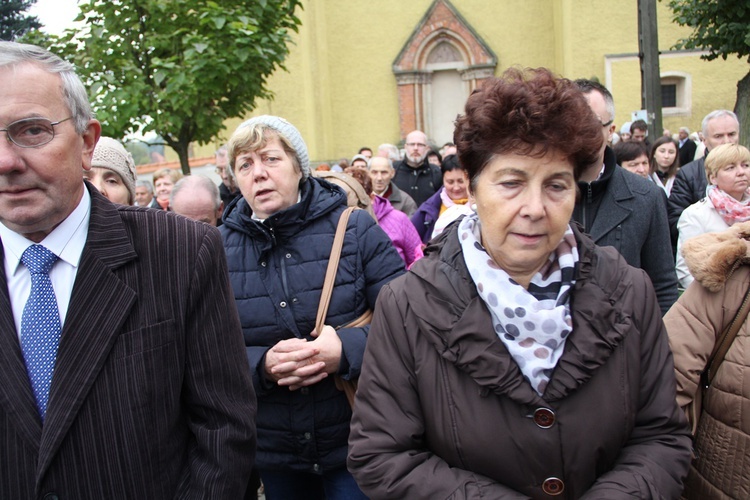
point(14, 21)
point(179, 67)
point(139, 150)
point(722, 27)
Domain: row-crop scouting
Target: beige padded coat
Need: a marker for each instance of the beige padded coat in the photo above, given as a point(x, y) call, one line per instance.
point(720, 263)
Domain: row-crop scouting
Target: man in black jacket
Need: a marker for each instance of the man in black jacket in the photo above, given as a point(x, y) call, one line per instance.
point(414, 174)
point(687, 147)
point(719, 127)
point(625, 211)
point(227, 189)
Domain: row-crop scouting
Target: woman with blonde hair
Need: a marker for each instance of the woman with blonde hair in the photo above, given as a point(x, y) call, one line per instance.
point(278, 238)
point(720, 263)
point(164, 181)
point(727, 200)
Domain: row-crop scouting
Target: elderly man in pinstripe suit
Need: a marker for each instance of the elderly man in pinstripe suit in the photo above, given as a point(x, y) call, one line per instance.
point(126, 378)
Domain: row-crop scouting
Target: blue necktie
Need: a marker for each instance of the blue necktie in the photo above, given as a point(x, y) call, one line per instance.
point(40, 324)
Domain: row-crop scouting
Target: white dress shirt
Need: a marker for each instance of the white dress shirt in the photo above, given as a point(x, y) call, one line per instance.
point(66, 241)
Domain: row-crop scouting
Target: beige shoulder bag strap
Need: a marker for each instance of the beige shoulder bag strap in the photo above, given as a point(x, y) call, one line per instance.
point(333, 265)
point(725, 341)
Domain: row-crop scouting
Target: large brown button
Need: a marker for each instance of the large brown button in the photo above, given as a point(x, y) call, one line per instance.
point(553, 486)
point(544, 417)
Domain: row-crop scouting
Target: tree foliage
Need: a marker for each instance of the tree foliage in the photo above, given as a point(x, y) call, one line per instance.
point(721, 27)
point(14, 21)
point(179, 68)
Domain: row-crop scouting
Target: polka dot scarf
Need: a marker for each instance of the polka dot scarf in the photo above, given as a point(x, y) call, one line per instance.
point(533, 324)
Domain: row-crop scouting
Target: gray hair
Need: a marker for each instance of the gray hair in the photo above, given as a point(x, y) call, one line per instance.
point(14, 54)
point(393, 152)
point(716, 114)
point(390, 162)
point(147, 184)
point(197, 182)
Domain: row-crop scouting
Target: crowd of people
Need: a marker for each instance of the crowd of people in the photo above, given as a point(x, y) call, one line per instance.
point(506, 316)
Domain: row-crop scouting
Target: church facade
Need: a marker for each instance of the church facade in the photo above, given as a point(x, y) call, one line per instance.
point(362, 73)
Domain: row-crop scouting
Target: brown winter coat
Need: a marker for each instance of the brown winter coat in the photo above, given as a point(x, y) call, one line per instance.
point(443, 411)
point(719, 263)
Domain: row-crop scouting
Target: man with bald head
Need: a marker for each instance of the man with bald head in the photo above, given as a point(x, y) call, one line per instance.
point(197, 197)
point(381, 174)
point(414, 174)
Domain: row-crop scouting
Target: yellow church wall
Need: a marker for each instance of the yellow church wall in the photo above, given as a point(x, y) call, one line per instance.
point(343, 56)
point(713, 86)
point(340, 90)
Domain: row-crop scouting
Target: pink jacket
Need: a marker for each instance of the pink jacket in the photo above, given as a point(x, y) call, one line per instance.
point(399, 229)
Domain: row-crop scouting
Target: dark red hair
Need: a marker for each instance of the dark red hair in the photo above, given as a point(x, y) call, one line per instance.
point(528, 112)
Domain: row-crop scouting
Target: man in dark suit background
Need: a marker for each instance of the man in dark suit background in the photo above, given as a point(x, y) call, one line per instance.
point(147, 392)
point(687, 146)
point(623, 210)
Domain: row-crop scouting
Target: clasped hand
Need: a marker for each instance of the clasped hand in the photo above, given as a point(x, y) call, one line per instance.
point(297, 362)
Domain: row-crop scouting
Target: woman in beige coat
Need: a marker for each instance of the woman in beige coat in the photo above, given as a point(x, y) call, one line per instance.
point(720, 263)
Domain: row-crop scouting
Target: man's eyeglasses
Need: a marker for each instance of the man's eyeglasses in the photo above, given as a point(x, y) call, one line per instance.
point(415, 145)
point(608, 123)
point(32, 132)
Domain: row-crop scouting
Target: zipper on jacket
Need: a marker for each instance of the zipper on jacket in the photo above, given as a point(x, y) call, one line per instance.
point(284, 284)
point(584, 205)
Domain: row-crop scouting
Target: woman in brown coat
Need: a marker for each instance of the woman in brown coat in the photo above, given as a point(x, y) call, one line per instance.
point(517, 359)
point(720, 264)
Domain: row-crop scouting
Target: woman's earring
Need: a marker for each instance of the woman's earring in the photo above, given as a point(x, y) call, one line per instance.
point(473, 207)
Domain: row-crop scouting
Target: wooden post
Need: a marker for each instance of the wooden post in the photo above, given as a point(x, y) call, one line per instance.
point(648, 53)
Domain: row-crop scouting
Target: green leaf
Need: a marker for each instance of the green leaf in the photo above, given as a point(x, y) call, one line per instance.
point(178, 67)
point(159, 77)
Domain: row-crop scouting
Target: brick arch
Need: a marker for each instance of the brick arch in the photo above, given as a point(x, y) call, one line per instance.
point(442, 23)
point(445, 51)
point(435, 40)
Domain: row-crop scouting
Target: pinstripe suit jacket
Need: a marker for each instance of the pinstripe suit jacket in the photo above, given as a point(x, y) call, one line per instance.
point(151, 396)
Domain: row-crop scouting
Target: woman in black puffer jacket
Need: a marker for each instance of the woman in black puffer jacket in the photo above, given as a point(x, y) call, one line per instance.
point(278, 239)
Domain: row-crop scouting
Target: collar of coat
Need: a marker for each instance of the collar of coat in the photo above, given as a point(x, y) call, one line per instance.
point(599, 186)
point(455, 320)
point(713, 257)
point(317, 198)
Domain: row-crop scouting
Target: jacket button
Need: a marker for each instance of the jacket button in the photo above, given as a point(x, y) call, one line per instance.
point(553, 486)
point(288, 256)
point(305, 391)
point(282, 304)
point(316, 468)
point(308, 436)
point(544, 418)
point(51, 496)
point(263, 264)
